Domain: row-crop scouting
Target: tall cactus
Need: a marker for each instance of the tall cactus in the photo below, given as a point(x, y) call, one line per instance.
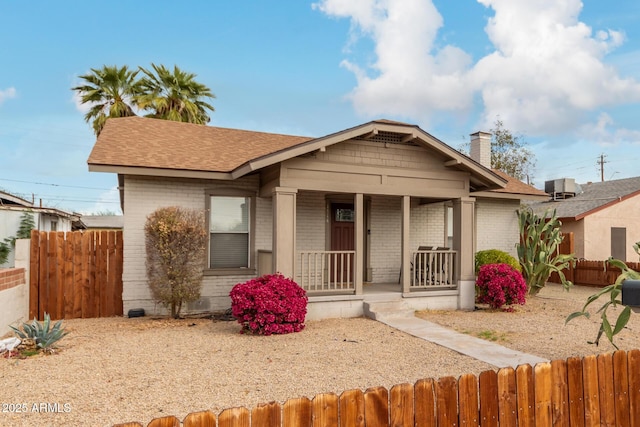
point(538, 249)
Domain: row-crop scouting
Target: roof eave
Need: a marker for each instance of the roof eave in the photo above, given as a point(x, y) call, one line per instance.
point(15, 199)
point(164, 172)
point(515, 196)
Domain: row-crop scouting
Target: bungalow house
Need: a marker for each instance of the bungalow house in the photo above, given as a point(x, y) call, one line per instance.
point(380, 206)
point(603, 216)
point(12, 209)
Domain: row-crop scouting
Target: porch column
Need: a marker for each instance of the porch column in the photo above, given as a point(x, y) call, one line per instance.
point(405, 250)
point(284, 231)
point(358, 273)
point(464, 244)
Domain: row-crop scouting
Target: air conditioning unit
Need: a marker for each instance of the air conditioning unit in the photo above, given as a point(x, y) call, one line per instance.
point(561, 188)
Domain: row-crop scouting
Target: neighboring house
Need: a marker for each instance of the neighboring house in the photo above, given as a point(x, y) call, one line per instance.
point(603, 216)
point(100, 222)
point(46, 219)
point(341, 214)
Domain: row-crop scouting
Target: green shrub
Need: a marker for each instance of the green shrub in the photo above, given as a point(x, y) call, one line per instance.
point(495, 256)
point(43, 334)
point(4, 252)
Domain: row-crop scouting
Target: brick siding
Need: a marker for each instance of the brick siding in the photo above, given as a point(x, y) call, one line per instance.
point(11, 277)
point(497, 225)
point(144, 195)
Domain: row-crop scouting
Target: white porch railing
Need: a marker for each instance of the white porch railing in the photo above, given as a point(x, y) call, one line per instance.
point(433, 269)
point(326, 271)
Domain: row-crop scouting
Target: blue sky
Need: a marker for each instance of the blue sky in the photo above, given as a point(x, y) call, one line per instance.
point(563, 74)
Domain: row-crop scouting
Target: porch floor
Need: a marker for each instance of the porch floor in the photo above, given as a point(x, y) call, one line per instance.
point(381, 288)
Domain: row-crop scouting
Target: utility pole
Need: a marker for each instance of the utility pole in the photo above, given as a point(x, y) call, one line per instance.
point(601, 163)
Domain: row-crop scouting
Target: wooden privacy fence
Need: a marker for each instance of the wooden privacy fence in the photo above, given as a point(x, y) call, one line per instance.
point(585, 272)
point(75, 274)
point(599, 390)
point(593, 273)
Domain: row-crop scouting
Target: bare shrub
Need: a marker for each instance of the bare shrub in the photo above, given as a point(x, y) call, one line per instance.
point(176, 241)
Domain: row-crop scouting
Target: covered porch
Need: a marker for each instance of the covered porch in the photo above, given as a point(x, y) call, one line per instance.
point(347, 248)
point(380, 203)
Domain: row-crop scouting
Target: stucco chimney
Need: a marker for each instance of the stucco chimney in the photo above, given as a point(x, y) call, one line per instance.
point(481, 148)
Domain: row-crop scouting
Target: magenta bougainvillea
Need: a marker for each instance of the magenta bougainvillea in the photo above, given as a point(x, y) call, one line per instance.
point(271, 304)
point(500, 285)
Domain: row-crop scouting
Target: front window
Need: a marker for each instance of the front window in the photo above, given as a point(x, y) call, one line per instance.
point(229, 232)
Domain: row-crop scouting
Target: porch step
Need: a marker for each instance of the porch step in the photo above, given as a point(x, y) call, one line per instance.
point(379, 310)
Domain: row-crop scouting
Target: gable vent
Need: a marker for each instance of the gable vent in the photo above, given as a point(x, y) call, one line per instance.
point(385, 138)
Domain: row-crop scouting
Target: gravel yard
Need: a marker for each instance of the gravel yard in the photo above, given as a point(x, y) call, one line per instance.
point(115, 370)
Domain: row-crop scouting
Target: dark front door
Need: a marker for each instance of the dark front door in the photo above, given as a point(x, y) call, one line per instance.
point(342, 239)
point(619, 243)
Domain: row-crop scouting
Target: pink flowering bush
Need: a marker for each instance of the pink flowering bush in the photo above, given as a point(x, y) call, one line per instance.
point(271, 304)
point(499, 285)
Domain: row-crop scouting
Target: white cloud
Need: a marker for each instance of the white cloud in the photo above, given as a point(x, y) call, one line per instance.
point(77, 101)
point(606, 133)
point(7, 94)
point(412, 74)
point(548, 67)
point(546, 71)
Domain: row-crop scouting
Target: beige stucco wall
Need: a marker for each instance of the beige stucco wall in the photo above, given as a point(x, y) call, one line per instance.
point(143, 195)
point(597, 229)
point(14, 298)
point(497, 225)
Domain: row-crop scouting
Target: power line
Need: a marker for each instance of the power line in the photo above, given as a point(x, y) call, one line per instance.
point(55, 185)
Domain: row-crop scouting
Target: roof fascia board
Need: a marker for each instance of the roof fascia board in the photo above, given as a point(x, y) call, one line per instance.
point(39, 210)
point(458, 159)
point(171, 173)
point(307, 147)
point(15, 199)
point(518, 196)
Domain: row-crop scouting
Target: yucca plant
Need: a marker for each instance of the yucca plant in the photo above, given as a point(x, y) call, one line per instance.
point(615, 298)
point(538, 249)
point(43, 334)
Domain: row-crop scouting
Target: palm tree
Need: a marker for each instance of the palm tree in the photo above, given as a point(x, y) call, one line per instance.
point(174, 95)
point(110, 91)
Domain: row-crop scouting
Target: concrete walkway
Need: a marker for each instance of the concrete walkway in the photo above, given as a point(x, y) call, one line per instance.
point(494, 354)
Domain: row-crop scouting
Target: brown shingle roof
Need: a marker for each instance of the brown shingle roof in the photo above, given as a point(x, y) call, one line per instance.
point(593, 197)
point(160, 144)
point(151, 143)
point(515, 186)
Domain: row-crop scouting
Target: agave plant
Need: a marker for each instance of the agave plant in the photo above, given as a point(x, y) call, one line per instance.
point(43, 334)
point(614, 291)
